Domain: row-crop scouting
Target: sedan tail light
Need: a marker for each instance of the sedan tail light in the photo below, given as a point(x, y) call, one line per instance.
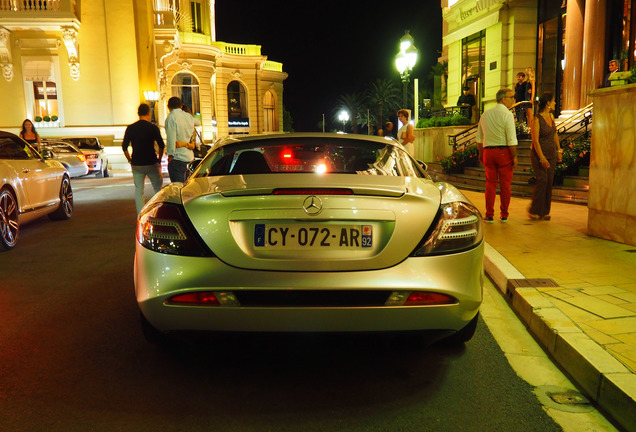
point(82, 157)
point(163, 228)
point(419, 298)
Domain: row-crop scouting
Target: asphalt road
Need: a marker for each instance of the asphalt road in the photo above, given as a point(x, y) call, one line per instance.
point(73, 358)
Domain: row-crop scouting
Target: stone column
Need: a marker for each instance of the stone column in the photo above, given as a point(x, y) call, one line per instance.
point(594, 67)
point(573, 55)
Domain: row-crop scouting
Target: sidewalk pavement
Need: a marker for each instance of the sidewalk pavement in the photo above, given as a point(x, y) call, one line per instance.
point(575, 293)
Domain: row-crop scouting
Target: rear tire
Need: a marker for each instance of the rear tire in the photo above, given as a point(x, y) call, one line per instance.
point(9, 225)
point(105, 172)
point(65, 209)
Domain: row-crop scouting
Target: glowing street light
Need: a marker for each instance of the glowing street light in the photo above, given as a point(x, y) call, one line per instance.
point(405, 61)
point(152, 97)
point(344, 118)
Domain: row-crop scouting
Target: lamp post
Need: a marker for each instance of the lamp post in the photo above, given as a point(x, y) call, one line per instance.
point(344, 118)
point(152, 97)
point(405, 61)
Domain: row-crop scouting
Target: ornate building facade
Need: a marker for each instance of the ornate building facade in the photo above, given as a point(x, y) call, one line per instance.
point(79, 67)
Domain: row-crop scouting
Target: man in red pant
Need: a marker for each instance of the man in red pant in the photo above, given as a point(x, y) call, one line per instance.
point(497, 141)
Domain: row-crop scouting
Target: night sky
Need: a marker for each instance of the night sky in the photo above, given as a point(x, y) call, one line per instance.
point(330, 48)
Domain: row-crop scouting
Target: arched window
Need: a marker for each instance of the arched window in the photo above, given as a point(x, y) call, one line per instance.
point(186, 86)
point(269, 114)
point(236, 101)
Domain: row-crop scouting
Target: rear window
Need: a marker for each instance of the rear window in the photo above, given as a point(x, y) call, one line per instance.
point(309, 155)
point(85, 143)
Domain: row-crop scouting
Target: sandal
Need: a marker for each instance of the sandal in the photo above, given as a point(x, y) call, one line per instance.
point(534, 216)
point(546, 217)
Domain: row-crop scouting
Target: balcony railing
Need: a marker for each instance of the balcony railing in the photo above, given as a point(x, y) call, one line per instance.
point(18, 14)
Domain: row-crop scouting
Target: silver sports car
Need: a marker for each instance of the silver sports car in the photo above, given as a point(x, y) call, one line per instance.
point(309, 233)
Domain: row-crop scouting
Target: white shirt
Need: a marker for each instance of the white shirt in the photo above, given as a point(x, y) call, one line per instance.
point(497, 127)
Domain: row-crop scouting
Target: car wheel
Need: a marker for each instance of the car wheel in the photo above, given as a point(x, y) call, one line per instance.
point(465, 334)
point(105, 172)
point(65, 209)
point(9, 227)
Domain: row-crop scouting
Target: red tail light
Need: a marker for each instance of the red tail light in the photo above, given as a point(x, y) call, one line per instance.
point(419, 298)
point(202, 298)
point(82, 157)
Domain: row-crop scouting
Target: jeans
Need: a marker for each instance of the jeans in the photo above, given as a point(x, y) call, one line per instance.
point(177, 170)
point(498, 163)
point(140, 172)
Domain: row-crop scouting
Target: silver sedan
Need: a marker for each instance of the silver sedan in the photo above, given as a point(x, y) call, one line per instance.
point(73, 159)
point(309, 233)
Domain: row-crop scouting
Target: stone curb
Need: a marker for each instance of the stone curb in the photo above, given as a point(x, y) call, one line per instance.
point(603, 378)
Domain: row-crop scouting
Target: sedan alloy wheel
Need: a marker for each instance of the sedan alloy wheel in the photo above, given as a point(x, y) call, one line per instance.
point(9, 227)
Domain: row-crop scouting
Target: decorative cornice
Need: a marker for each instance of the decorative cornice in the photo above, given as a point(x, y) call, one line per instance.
point(6, 59)
point(69, 37)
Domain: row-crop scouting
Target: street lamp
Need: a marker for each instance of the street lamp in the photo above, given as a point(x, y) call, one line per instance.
point(344, 118)
point(152, 97)
point(405, 61)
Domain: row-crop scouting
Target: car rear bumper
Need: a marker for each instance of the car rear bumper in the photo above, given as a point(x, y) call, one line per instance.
point(159, 277)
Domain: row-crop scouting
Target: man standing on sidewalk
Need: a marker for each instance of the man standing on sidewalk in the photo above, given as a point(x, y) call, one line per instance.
point(179, 127)
point(144, 160)
point(497, 142)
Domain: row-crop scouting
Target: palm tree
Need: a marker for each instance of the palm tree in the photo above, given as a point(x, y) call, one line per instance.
point(353, 103)
point(383, 93)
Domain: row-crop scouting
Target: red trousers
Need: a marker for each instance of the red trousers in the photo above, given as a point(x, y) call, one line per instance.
point(498, 163)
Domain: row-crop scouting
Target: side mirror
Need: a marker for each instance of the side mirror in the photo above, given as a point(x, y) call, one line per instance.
point(192, 166)
point(423, 165)
point(46, 154)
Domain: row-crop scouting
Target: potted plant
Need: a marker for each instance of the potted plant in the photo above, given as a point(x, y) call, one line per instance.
point(46, 118)
point(54, 118)
point(38, 119)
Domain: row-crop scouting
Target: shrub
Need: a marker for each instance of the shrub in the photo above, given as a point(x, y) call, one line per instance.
point(454, 120)
point(466, 157)
point(576, 153)
point(54, 118)
point(38, 118)
point(46, 118)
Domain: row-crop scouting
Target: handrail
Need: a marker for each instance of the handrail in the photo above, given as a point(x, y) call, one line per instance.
point(577, 124)
point(464, 138)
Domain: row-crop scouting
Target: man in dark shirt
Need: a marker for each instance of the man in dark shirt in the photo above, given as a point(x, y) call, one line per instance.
point(520, 96)
point(145, 161)
point(466, 102)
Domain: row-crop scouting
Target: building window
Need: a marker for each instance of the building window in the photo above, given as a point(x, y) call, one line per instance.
point(473, 63)
point(197, 17)
point(45, 101)
point(237, 106)
point(186, 87)
point(269, 107)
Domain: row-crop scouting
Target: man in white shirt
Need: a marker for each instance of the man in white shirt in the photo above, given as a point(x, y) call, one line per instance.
point(497, 142)
point(179, 127)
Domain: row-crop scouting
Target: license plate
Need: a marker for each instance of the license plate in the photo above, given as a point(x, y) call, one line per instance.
point(307, 236)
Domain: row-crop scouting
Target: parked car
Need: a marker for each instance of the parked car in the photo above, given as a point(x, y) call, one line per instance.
point(96, 158)
point(32, 185)
point(68, 155)
point(309, 233)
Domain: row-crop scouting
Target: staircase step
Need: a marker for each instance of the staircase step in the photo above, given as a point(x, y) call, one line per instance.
point(576, 182)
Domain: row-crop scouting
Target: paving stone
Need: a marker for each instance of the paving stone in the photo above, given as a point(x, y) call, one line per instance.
point(600, 290)
point(615, 326)
point(625, 353)
point(599, 337)
point(598, 306)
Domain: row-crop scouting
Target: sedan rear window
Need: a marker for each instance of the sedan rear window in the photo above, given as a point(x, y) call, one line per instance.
point(310, 155)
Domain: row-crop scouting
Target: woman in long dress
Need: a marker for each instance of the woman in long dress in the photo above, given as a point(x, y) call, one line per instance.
point(544, 155)
point(405, 134)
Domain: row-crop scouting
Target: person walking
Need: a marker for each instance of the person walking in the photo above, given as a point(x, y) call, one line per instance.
point(497, 142)
point(179, 127)
point(546, 152)
point(29, 134)
point(145, 161)
point(405, 134)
